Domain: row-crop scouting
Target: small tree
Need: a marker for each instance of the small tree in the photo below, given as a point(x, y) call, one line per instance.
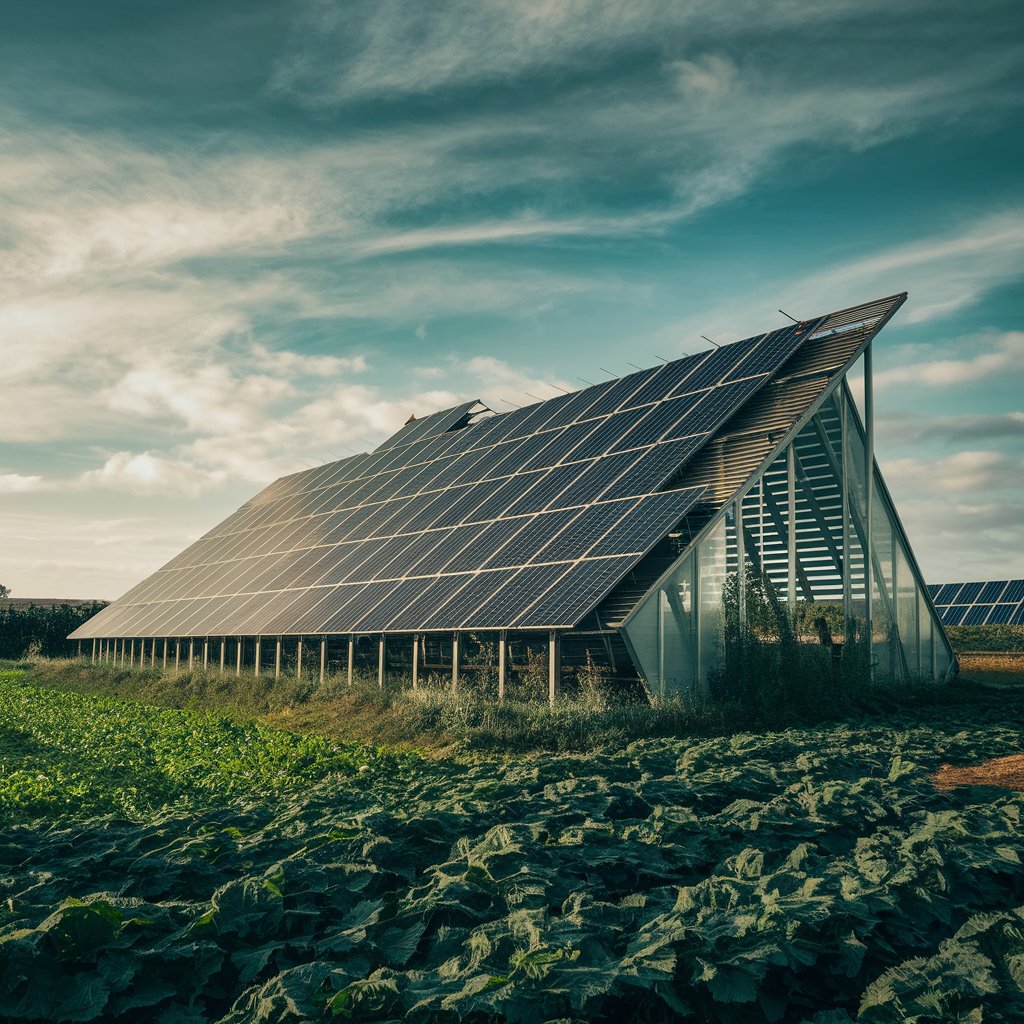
point(4, 591)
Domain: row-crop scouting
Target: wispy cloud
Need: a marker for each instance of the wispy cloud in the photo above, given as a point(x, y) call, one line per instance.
point(975, 359)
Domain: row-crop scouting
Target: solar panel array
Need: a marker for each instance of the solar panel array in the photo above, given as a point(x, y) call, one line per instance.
point(995, 603)
point(525, 519)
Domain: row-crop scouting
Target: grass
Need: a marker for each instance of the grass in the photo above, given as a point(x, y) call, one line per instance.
point(63, 751)
point(434, 721)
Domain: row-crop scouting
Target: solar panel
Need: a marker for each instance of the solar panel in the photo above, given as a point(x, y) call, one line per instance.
point(991, 592)
point(565, 493)
point(646, 522)
point(438, 423)
point(579, 589)
point(498, 610)
point(976, 616)
point(1001, 614)
point(946, 593)
point(993, 603)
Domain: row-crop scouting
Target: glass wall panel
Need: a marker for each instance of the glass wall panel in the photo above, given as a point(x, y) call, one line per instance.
point(907, 606)
point(885, 642)
point(711, 570)
point(924, 632)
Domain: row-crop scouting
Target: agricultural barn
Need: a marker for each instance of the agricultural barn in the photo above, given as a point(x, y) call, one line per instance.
point(994, 603)
point(600, 530)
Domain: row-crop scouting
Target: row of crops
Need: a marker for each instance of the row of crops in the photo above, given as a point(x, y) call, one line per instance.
point(807, 875)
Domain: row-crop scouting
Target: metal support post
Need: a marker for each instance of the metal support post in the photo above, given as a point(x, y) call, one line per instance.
point(415, 661)
point(298, 658)
point(791, 532)
point(152, 654)
point(177, 655)
point(223, 652)
point(869, 497)
point(206, 653)
point(554, 666)
point(259, 655)
point(844, 486)
point(323, 659)
point(455, 662)
point(277, 659)
point(351, 659)
point(165, 655)
point(502, 663)
point(94, 650)
point(741, 566)
point(381, 654)
point(239, 643)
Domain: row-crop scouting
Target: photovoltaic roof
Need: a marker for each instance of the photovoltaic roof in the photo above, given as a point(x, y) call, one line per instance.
point(989, 603)
point(469, 520)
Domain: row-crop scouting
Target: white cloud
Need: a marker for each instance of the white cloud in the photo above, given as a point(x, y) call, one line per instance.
point(982, 358)
point(148, 473)
point(964, 472)
point(20, 483)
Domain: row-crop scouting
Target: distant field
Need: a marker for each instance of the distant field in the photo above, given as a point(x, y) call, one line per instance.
point(1005, 670)
point(190, 866)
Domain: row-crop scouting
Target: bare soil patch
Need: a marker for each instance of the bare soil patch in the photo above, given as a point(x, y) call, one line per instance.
point(1004, 772)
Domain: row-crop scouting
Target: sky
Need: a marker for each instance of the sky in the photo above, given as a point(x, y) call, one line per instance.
point(238, 239)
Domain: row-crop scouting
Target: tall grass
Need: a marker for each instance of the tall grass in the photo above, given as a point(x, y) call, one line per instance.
point(433, 718)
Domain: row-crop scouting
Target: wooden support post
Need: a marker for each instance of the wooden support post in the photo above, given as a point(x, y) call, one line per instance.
point(177, 655)
point(502, 663)
point(94, 650)
point(131, 656)
point(259, 655)
point(455, 662)
point(381, 655)
point(554, 666)
point(415, 661)
point(351, 659)
point(223, 652)
point(323, 659)
point(165, 655)
point(206, 653)
point(298, 658)
point(239, 642)
point(277, 659)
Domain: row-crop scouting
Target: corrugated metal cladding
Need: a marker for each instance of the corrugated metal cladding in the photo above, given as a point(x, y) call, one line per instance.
point(989, 603)
point(470, 520)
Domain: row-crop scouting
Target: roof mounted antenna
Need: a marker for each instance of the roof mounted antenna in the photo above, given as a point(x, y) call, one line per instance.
point(715, 343)
point(507, 402)
point(793, 318)
point(585, 381)
point(635, 367)
point(557, 388)
point(530, 393)
point(663, 359)
point(609, 372)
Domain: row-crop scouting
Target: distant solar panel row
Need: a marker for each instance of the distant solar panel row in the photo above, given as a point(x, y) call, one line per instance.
point(996, 603)
point(464, 520)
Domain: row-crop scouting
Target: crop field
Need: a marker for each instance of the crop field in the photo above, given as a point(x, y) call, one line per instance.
point(176, 866)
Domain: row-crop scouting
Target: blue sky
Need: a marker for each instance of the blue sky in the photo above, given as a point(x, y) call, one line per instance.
point(241, 238)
